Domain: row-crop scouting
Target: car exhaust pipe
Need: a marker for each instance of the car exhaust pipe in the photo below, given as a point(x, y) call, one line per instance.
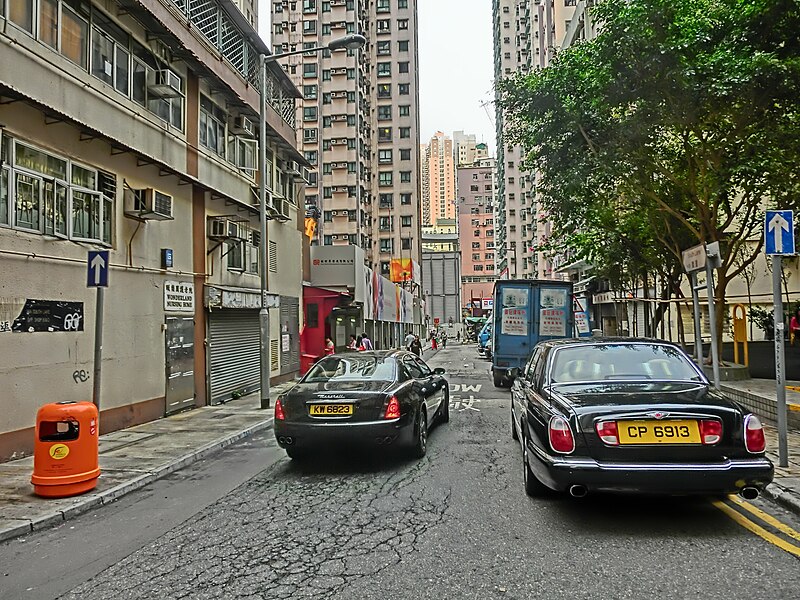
point(387, 440)
point(289, 440)
point(282, 440)
point(578, 491)
point(749, 492)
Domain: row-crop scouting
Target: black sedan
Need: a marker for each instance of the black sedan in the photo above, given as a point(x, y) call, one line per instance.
point(384, 398)
point(631, 415)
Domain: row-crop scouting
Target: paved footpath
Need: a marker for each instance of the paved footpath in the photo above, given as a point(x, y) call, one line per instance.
point(132, 458)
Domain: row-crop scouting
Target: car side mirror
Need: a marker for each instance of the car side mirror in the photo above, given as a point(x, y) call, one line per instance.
point(438, 371)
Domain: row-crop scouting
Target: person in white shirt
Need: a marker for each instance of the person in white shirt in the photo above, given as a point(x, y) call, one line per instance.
point(408, 339)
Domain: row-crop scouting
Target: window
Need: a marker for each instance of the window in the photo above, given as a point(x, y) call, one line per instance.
point(405, 198)
point(405, 154)
point(311, 156)
point(476, 245)
point(385, 224)
point(402, 46)
point(382, 6)
point(403, 89)
point(405, 221)
point(405, 132)
point(386, 200)
point(405, 243)
point(384, 156)
point(402, 3)
point(110, 56)
point(402, 24)
point(405, 110)
point(384, 178)
point(326, 74)
point(402, 67)
point(309, 6)
point(212, 126)
point(385, 267)
point(384, 90)
point(386, 246)
point(309, 27)
point(383, 26)
point(385, 113)
point(473, 188)
point(405, 176)
point(310, 70)
point(384, 134)
point(476, 257)
point(310, 113)
point(478, 267)
point(310, 134)
point(384, 48)
point(477, 233)
point(384, 69)
point(310, 92)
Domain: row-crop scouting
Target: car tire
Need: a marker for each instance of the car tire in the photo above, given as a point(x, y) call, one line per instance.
point(296, 453)
point(514, 434)
point(498, 379)
point(444, 412)
point(420, 447)
point(533, 487)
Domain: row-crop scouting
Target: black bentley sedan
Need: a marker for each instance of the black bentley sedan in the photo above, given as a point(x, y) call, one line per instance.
point(631, 415)
point(385, 398)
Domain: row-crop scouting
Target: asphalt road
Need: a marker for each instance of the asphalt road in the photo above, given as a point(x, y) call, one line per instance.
point(249, 523)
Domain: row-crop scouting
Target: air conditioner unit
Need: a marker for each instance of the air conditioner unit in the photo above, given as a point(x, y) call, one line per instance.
point(342, 94)
point(164, 84)
point(339, 71)
point(293, 168)
point(255, 238)
point(243, 126)
point(339, 25)
point(339, 118)
point(338, 165)
point(148, 204)
point(224, 228)
point(338, 2)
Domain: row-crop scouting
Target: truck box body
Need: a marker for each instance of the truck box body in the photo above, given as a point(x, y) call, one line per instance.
point(527, 311)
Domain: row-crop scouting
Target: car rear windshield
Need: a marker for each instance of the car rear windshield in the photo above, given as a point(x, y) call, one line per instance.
point(621, 362)
point(357, 367)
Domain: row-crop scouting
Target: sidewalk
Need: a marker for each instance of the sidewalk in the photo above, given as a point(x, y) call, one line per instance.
point(131, 459)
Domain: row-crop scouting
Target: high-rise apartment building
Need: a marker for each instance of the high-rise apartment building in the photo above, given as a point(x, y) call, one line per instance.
point(526, 36)
point(476, 226)
point(438, 180)
point(360, 121)
point(467, 150)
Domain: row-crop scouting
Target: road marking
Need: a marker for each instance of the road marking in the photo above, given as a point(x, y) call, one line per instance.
point(757, 529)
point(767, 518)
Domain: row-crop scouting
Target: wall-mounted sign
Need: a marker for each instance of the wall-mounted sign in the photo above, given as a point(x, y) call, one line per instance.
point(179, 296)
point(41, 316)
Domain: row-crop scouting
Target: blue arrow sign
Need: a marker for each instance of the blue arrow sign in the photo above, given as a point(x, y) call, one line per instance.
point(97, 265)
point(779, 232)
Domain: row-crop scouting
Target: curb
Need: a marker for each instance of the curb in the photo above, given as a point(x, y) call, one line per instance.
point(780, 495)
point(110, 495)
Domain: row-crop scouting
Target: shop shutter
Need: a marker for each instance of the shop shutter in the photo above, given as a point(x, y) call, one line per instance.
point(290, 323)
point(233, 353)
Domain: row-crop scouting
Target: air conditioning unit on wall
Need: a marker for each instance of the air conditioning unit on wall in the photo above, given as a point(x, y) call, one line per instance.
point(243, 126)
point(148, 204)
point(164, 84)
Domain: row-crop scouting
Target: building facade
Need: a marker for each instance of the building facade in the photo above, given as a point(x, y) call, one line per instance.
point(441, 278)
point(466, 150)
point(438, 180)
point(360, 122)
point(476, 224)
point(131, 127)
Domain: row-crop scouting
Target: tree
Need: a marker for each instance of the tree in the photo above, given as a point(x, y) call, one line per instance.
point(675, 126)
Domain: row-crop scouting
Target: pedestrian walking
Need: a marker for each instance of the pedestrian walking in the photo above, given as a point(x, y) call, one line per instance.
point(444, 339)
point(353, 343)
point(408, 339)
point(329, 347)
point(794, 327)
point(366, 343)
point(416, 346)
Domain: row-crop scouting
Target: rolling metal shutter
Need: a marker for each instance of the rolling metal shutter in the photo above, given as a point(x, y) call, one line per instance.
point(290, 323)
point(233, 353)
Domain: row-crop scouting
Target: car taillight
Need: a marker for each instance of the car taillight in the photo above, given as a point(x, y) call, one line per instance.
point(561, 439)
point(710, 431)
point(754, 439)
point(607, 430)
point(279, 414)
point(392, 409)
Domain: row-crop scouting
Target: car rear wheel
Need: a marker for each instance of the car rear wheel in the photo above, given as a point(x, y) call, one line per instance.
point(420, 447)
point(514, 435)
point(533, 487)
point(296, 453)
point(498, 379)
point(444, 412)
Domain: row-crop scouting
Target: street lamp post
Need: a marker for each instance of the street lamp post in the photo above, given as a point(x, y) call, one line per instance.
point(351, 41)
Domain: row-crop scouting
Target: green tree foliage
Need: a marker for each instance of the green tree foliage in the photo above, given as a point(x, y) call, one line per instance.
point(677, 125)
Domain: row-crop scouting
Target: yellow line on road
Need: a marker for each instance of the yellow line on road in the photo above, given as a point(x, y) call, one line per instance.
point(757, 529)
point(767, 518)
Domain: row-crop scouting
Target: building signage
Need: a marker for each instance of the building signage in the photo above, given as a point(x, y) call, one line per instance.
point(604, 298)
point(336, 266)
point(582, 322)
point(694, 259)
point(179, 296)
point(487, 303)
point(219, 297)
point(40, 316)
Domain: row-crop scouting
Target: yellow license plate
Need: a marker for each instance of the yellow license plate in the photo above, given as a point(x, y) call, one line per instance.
point(330, 410)
point(658, 432)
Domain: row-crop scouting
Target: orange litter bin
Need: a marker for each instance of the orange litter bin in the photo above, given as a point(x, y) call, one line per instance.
point(65, 458)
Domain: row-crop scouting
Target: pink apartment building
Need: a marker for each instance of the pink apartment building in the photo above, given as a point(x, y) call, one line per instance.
point(476, 202)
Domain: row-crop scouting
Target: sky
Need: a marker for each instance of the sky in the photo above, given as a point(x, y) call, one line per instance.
point(456, 67)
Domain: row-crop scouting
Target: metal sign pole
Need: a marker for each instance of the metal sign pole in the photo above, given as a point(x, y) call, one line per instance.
point(712, 319)
point(780, 379)
point(698, 335)
point(98, 345)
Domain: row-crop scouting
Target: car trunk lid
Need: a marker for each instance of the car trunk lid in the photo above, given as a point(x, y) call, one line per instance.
point(336, 401)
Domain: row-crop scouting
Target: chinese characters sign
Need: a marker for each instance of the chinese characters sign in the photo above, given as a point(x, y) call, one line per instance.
point(33, 316)
point(179, 296)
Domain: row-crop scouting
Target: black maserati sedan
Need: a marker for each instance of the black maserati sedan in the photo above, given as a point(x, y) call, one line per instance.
point(631, 415)
point(382, 398)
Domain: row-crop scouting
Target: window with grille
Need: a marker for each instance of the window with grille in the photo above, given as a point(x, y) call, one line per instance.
point(273, 257)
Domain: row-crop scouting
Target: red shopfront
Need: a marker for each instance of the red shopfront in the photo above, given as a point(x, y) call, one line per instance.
point(318, 304)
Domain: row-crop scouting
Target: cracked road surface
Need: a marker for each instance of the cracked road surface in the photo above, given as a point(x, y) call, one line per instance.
point(249, 523)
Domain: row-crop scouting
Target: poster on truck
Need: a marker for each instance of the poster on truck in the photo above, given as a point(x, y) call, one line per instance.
point(553, 312)
point(514, 319)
